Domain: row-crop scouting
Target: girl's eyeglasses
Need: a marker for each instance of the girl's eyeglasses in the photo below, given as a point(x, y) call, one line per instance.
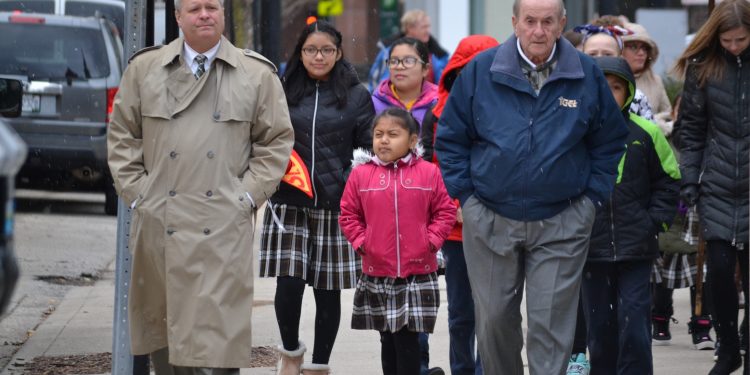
point(312, 51)
point(634, 47)
point(407, 62)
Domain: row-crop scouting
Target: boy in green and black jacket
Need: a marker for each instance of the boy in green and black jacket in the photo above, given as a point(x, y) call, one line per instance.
point(624, 242)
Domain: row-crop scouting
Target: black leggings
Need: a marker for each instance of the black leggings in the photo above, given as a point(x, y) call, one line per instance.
point(664, 301)
point(399, 353)
point(288, 304)
point(722, 259)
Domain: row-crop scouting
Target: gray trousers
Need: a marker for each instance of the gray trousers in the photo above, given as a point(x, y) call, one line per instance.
point(160, 363)
point(549, 256)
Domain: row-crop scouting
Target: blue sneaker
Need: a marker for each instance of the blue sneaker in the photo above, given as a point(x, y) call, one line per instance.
point(578, 365)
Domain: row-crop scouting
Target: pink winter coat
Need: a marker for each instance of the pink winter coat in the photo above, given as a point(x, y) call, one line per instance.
point(397, 216)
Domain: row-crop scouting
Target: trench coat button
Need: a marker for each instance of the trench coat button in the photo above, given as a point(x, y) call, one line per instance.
point(206, 231)
point(242, 198)
point(170, 231)
point(172, 193)
point(172, 154)
point(209, 193)
point(216, 116)
point(175, 116)
point(210, 155)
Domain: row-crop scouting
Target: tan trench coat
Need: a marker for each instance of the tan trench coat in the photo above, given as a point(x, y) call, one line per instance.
point(189, 160)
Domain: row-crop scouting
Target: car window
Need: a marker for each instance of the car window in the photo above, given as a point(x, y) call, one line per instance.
point(111, 12)
point(28, 6)
point(46, 52)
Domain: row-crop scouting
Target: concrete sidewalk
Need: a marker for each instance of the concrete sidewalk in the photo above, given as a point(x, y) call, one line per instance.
point(82, 324)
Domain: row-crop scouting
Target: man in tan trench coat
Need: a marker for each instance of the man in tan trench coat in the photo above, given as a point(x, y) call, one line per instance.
point(199, 137)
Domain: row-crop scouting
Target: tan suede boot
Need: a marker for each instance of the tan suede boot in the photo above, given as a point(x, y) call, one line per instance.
point(290, 362)
point(315, 369)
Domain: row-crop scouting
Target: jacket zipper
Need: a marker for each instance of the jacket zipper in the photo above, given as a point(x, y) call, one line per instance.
point(398, 235)
point(312, 173)
point(737, 147)
point(612, 224)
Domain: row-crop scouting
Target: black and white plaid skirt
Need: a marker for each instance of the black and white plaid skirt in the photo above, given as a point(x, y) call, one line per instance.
point(386, 304)
point(676, 270)
point(311, 247)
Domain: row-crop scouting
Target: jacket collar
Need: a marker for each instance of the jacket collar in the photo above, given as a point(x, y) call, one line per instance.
point(174, 50)
point(506, 68)
point(426, 98)
point(406, 160)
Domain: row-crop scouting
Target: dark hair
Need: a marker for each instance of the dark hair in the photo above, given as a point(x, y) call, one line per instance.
point(402, 116)
point(422, 52)
point(297, 82)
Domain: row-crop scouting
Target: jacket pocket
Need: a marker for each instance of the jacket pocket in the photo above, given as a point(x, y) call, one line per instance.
point(242, 197)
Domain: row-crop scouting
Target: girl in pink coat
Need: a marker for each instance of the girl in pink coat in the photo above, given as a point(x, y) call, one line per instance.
point(396, 213)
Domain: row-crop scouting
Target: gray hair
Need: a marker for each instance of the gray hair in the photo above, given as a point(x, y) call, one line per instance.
point(517, 6)
point(410, 18)
point(178, 4)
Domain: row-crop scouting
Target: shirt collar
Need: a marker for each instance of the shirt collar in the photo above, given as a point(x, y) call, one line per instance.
point(523, 56)
point(190, 55)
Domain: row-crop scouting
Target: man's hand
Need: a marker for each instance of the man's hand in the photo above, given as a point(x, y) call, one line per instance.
point(689, 194)
point(459, 216)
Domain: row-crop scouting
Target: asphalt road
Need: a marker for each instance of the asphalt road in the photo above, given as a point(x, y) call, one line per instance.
point(61, 240)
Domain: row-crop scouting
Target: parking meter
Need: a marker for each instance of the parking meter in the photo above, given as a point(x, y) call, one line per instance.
point(12, 156)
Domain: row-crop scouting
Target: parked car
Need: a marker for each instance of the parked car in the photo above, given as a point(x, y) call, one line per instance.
point(113, 10)
point(71, 67)
point(12, 154)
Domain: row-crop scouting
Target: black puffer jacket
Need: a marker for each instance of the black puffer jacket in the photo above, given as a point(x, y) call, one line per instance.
point(325, 137)
point(715, 125)
point(646, 193)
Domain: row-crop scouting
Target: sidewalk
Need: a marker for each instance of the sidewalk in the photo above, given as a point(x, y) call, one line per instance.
point(82, 324)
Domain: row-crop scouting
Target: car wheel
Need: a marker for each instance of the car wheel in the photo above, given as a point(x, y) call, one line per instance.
point(110, 200)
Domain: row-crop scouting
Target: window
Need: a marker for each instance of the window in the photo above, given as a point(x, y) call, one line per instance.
point(43, 52)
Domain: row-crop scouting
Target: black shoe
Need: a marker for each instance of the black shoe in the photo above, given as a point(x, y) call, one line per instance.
point(726, 364)
point(661, 335)
point(435, 371)
point(699, 328)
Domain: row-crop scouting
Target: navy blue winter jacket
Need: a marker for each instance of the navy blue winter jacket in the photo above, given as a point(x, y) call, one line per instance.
point(527, 156)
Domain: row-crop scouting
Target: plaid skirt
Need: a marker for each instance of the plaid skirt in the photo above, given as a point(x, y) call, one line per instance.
point(386, 304)
point(676, 270)
point(311, 247)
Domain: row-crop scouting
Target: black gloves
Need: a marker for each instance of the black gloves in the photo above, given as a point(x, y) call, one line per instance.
point(689, 194)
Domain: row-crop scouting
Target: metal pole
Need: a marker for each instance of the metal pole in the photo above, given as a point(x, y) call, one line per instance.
point(123, 363)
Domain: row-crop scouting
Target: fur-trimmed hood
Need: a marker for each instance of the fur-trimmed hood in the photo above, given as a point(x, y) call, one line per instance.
point(362, 156)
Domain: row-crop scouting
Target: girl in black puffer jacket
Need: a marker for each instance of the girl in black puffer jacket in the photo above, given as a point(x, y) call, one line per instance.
point(301, 242)
point(714, 134)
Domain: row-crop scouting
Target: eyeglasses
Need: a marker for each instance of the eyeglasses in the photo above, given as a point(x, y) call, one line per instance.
point(634, 47)
point(312, 51)
point(407, 62)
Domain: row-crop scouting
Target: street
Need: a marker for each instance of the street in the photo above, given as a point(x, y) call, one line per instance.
point(61, 240)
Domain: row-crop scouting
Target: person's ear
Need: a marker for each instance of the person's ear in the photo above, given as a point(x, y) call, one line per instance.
point(412, 141)
point(339, 54)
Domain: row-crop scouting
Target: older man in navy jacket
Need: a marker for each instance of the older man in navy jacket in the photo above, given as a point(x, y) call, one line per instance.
point(529, 142)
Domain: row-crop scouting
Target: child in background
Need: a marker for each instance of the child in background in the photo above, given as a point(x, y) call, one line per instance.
point(396, 213)
point(623, 246)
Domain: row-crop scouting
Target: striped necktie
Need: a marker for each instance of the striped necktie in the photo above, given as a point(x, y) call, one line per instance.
point(200, 59)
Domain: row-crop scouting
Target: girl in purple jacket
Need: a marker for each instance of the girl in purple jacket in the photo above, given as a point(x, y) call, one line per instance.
point(396, 213)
